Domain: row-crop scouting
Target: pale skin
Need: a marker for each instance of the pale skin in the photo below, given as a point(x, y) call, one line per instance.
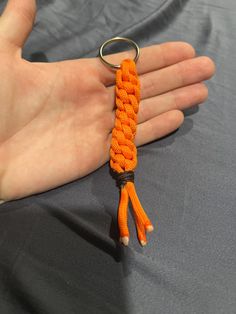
point(56, 118)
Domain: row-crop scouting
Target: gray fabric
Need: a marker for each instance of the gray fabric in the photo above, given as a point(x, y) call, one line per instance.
point(62, 245)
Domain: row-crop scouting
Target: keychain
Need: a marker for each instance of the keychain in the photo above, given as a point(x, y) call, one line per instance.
point(123, 152)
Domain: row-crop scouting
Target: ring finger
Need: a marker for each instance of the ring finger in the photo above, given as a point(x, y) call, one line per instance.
point(181, 98)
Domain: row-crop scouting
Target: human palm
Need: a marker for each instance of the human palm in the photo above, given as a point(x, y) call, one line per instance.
point(56, 118)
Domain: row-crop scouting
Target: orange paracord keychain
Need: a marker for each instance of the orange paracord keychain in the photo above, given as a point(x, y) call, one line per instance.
point(123, 152)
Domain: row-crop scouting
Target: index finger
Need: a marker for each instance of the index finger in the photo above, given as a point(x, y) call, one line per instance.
point(151, 59)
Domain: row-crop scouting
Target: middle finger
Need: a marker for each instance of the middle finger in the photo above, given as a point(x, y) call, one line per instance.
point(175, 76)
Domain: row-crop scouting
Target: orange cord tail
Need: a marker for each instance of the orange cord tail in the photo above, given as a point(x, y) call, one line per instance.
point(123, 216)
point(123, 152)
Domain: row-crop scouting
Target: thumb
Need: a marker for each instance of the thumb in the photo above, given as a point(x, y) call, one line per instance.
point(17, 21)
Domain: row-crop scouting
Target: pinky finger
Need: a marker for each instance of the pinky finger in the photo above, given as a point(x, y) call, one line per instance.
point(158, 127)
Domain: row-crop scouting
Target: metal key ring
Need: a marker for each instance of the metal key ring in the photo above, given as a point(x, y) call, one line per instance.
point(131, 42)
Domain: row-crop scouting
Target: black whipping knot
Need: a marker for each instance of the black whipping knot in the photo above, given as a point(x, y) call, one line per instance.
point(123, 177)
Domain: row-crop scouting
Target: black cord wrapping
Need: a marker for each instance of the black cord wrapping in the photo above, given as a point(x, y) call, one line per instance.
point(123, 177)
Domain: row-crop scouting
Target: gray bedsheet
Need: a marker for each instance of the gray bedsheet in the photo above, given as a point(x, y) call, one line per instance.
point(59, 250)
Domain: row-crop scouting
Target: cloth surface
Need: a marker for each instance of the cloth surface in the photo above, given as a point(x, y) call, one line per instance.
point(59, 251)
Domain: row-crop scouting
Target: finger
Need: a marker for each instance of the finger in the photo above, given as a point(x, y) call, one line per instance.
point(17, 21)
point(181, 98)
point(151, 58)
point(158, 127)
point(175, 76)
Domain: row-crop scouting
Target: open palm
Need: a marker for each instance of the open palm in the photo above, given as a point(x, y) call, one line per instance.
point(56, 118)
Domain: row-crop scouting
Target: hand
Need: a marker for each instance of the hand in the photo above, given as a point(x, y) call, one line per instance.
point(56, 118)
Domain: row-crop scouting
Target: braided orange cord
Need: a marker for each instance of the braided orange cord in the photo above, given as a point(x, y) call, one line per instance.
point(123, 152)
